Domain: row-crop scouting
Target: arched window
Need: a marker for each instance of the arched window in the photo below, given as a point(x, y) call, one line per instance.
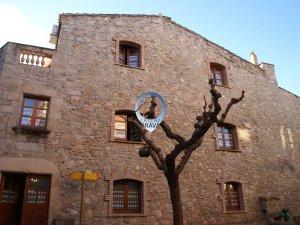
point(129, 54)
point(219, 74)
point(127, 196)
point(125, 130)
point(233, 196)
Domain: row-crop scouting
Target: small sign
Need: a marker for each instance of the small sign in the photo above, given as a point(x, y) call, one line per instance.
point(88, 175)
point(150, 109)
point(76, 175)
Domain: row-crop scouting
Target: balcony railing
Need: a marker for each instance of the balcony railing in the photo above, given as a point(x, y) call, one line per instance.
point(35, 58)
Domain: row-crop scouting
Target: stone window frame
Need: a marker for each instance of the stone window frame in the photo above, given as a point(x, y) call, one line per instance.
point(112, 129)
point(54, 111)
point(34, 116)
point(235, 138)
point(221, 181)
point(127, 176)
point(127, 50)
point(124, 184)
point(133, 41)
point(225, 62)
point(222, 68)
point(239, 192)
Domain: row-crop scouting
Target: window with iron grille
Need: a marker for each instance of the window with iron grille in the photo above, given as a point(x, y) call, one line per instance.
point(126, 130)
point(219, 74)
point(34, 112)
point(226, 137)
point(130, 54)
point(233, 196)
point(127, 196)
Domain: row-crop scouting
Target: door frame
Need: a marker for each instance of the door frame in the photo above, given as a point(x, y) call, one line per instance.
point(37, 166)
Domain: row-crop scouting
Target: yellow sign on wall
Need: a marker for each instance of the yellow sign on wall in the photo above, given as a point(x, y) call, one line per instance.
point(88, 175)
point(91, 175)
point(76, 175)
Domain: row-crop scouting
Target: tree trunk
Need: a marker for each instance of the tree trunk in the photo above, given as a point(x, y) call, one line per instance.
point(176, 200)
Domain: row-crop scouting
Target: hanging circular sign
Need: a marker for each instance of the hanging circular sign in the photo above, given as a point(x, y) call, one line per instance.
point(150, 109)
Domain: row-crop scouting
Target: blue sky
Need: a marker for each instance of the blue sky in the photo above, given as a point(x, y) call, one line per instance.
point(271, 28)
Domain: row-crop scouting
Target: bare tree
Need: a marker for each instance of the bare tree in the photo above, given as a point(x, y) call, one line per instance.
point(167, 163)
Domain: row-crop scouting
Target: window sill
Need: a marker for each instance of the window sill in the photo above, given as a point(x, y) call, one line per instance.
point(128, 142)
point(31, 130)
point(139, 68)
point(127, 215)
point(227, 150)
point(224, 86)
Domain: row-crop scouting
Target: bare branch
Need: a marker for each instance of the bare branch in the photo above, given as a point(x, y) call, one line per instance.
point(215, 98)
point(230, 104)
point(210, 106)
point(143, 132)
point(187, 155)
point(146, 151)
point(156, 160)
point(199, 132)
point(149, 142)
point(205, 104)
point(205, 121)
point(211, 83)
point(170, 134)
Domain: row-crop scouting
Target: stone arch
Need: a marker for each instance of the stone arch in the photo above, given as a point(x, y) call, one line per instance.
point(40, 166)
point(231, 178)
point(121, 109)
point(131, 41)
point(127, 175)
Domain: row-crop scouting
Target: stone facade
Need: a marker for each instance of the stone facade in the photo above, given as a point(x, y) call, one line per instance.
point(86, 86)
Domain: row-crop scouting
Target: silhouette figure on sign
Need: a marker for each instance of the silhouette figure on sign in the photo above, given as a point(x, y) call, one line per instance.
point(150, 114)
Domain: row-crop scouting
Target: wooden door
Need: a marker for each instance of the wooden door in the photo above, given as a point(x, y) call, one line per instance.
point(36, 200)
point(9, 189)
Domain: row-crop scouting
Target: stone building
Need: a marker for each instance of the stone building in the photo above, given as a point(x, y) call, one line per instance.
point(61, 112)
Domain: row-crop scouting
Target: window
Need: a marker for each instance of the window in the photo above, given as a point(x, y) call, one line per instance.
point(34, 112)
point(226, 137)
point(219, 74)
point(233, 196)
point(127, 196)
point(123, 130)
point(130, 54)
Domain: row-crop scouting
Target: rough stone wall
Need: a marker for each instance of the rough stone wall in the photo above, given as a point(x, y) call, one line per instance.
point(2, 56)
point(86, 87)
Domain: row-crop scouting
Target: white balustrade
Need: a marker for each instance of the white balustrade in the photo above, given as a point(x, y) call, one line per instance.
point(35, 58)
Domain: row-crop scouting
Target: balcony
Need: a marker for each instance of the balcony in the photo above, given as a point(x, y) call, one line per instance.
point(29, 55)
point(35, 58)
